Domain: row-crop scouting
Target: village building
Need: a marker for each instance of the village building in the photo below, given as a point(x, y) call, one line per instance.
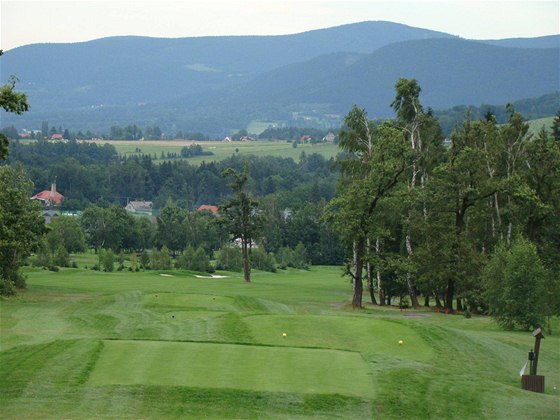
point(211, 209)
point(49, 198)
point(140, 207)
point(49, 215)
point(329, 138)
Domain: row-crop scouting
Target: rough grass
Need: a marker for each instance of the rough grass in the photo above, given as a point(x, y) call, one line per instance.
point(85, 344)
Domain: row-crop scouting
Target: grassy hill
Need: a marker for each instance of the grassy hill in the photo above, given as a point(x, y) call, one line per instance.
point(536, 125)
point(84, 344)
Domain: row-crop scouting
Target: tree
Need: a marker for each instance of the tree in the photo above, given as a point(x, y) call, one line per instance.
point(66, 231)
point(110, 227)
point(410, 117)
point(10, 101)
point(458, 187)
point(170, 228)
point(240, 215)
point(515, 286)
point(377, 159)
point(21, 226)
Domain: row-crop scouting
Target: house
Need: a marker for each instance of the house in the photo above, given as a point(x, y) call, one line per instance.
point(140, 207)
point(211, 209)
point(56, 137)
point(329, 138)
point(49, 197)
point(49, 215)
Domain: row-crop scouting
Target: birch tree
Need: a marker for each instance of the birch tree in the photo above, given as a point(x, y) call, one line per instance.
point(377, 158)
point(425, 150)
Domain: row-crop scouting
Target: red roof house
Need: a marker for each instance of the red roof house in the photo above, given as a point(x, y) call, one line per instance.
point(211, 209)
point(49, 197)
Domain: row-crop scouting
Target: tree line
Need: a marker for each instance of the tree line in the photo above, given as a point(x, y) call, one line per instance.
point(472, 225)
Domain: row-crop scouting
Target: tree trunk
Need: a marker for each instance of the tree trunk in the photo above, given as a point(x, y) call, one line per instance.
point(379, 284)
point(438, 302)
point(409, 280)
point(357, 276)
point(459, 304)
point(427, 301)
point(449, 293)
point(369, 269)
point(246, 263)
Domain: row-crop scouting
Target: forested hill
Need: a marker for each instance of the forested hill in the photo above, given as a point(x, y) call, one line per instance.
point(218, 84)
point(450, 72)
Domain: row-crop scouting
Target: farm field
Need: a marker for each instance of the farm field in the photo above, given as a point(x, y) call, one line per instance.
point(220, 150)
point(86, 344)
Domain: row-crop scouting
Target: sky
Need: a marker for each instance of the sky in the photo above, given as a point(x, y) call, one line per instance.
point(28, 22)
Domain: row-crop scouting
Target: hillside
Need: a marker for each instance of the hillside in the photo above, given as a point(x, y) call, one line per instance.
point(550, 41)
point(450, 72)
point(218, 84)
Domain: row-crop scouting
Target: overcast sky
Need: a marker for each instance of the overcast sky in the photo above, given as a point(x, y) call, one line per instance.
point(28, 22)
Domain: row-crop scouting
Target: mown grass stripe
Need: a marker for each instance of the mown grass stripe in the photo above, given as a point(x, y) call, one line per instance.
point(273, 369)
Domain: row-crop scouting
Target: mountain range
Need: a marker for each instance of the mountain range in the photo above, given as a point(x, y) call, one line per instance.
point(218, 84)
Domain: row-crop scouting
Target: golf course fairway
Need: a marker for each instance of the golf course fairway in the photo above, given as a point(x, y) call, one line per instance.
point(83, 344)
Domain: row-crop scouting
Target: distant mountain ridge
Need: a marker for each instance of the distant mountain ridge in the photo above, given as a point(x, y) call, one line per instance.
point(216, 84)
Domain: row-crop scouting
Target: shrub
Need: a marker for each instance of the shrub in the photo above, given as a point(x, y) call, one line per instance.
point(230, 259)
point(161, 260)
point(145, 259)
point(107, 260)
point(7, 288)
point(61, 257)
point(261, 260)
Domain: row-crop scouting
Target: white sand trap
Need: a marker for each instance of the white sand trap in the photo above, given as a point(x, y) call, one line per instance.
point(211, 277)
point(167, 275)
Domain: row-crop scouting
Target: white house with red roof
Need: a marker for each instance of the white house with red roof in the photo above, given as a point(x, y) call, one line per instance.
point(49, 198)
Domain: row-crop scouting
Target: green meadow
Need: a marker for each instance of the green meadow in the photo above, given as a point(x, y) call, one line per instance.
point(80, 344)
point(223, 150)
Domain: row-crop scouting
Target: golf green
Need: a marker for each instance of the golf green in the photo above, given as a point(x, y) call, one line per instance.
point(231, 366)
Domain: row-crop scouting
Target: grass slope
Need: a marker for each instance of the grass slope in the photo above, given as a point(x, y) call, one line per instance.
point(84, 344)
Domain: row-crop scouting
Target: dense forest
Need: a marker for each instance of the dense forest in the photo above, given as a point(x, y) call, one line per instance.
point(469, 224)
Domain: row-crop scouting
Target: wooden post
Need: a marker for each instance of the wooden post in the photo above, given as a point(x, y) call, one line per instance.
point(534, 382)
point(538, 336)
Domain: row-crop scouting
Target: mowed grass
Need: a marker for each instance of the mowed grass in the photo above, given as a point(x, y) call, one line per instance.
point(232, 366)
point(84, 344)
